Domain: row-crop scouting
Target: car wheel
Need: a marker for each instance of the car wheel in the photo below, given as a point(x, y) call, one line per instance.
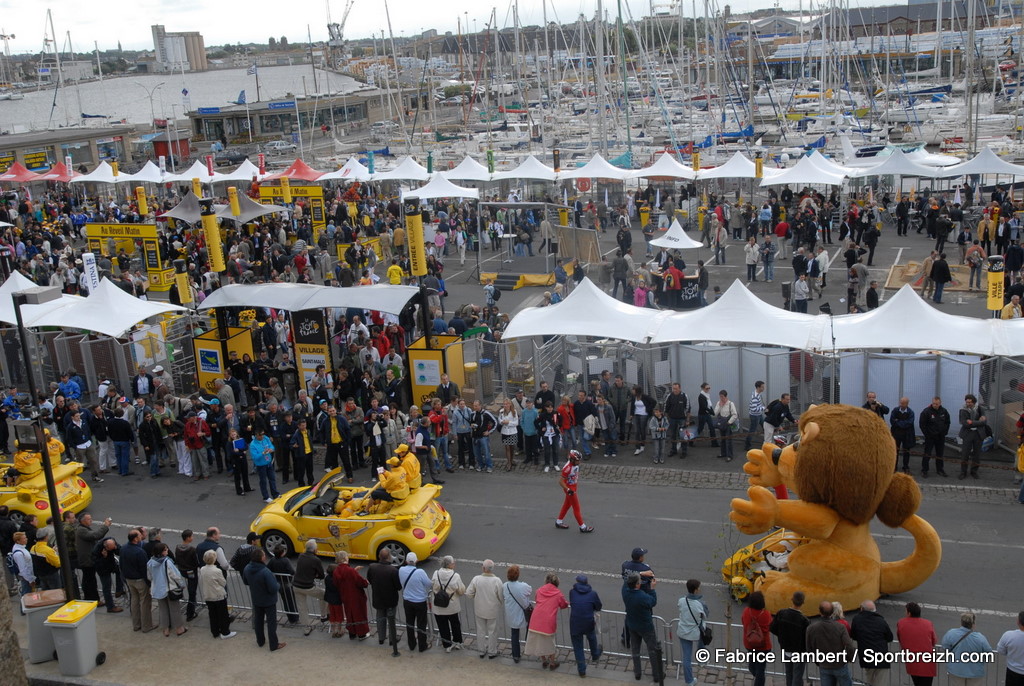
point(398, 552)
point(17, 517)
point(273, 538)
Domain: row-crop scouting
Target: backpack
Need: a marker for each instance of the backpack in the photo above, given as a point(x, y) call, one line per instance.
point(973, 260)
point(496, 293)
point(443, 598)
point(12, 564)
point(753, 634)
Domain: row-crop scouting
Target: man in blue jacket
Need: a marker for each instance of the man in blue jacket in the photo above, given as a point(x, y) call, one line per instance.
point(261, 452)
point(583, 603)
point(640, 624)
point(263, 588)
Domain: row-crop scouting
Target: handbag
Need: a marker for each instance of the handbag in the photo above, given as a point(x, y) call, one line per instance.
point(706, 634)
point(527, 611)
point(442, 598)
point(173, 592)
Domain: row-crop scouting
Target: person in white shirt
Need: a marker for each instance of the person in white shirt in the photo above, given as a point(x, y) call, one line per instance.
point(1011, 644)
point(725, 418)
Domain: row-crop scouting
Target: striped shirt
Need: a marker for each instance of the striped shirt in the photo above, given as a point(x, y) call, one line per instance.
point(756, 405)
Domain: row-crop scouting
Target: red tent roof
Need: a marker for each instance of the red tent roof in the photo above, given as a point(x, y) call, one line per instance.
point(299, 171)
point(60, 173)
point(19, 174)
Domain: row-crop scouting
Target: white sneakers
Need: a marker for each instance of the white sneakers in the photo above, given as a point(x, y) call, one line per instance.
point(269, 500)
point(229, 635)
point(638, 451)
point(547, 469)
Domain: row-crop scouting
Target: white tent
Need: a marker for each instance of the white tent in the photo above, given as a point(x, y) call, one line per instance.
point(245, 172)
point(198, 170)
point(985, 162)
point(468, 170)
point(587, 311)
point(906, 321)
point(739, 315)
point(103, 173)
point(827, 165)
point(736, 167)
point(352, 170)
point(293, 297)
point(804, 172)
point(108, 310)
point(597, 168)
point(150, 173)
point(530, 168)
point(407, 170)
point(676, 238)
point(666, 166)
point(15, 283)
point(440, 187)
point(897, 164)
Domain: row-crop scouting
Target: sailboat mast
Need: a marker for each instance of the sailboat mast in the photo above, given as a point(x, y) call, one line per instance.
point(625, 87)
point(599, 97)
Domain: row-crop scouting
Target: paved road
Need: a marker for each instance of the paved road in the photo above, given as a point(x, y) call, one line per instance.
point(509, 518)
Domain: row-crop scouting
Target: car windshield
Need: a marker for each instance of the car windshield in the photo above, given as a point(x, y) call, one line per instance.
point(297, 498)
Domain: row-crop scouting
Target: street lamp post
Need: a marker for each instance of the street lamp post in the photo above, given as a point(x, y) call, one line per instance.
point(150, 92)
point(38, 296)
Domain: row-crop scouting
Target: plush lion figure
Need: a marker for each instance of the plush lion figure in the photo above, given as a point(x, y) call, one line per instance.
point(842, 470)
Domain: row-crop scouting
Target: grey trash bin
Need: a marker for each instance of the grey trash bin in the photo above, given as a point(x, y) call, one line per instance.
point(37, 607)
point(74, 635)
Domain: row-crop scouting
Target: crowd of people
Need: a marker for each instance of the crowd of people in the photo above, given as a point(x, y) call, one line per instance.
point(309, 592)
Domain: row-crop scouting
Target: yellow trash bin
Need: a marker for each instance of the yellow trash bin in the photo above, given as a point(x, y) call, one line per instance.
point(645, 216)
point(563, 216)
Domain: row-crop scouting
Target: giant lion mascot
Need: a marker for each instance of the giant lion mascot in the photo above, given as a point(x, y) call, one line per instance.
point(842, 470)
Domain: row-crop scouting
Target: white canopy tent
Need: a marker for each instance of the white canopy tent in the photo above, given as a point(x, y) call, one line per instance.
point(15, 283)
point(352, 170)
point(587, 311)
point(907, 321)
point(827, 165)
point(407, 170)
point(198, 170)
point(736, 167)
point(103, 173)
point(597, 168)
point(108, 310)
point(804, 172)
point(897, 164)
point(150, 173)
point(985, 162)
point(440, 187)
point(246, 172)
point(739, 315)
point(530, 168)
point(293, 297)
point(665, 166)
point(676, 238)
point(468, 170)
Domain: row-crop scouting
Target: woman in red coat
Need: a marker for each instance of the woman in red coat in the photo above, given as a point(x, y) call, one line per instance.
point(350, 585)
point(756, 614)
point(917, 635)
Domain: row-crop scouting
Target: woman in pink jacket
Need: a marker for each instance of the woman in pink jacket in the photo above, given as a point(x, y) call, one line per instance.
point(540, 640)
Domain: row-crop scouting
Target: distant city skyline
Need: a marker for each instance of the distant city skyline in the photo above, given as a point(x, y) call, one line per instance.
point(106, 21)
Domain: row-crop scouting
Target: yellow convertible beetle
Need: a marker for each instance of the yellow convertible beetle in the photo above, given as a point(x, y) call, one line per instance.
point(419, 524)
point(28, 496)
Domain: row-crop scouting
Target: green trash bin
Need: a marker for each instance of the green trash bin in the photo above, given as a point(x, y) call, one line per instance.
point(37, 606)
point(74, 636)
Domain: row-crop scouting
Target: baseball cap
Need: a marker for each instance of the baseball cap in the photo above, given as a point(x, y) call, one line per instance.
point(639, 552)
point(215, 401)
point(582, 579)
point(411, 559)
point(158, 369)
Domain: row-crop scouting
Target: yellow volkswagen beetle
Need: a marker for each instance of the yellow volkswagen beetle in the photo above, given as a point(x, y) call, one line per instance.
point(28, 496)
point(420, 524)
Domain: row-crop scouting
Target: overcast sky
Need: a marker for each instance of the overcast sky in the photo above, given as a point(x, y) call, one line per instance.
point(245, 21)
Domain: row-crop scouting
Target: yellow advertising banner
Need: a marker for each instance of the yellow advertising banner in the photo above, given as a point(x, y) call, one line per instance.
point(426, 366)
point(125, 236)
point(995, 290)
point(414, 230)
point(209, 354)
point(309, 334)
point(314, 196)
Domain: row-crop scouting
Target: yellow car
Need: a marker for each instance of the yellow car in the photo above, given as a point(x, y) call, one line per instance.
point(420, 524)
point(743, 571)
point(29, 495)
